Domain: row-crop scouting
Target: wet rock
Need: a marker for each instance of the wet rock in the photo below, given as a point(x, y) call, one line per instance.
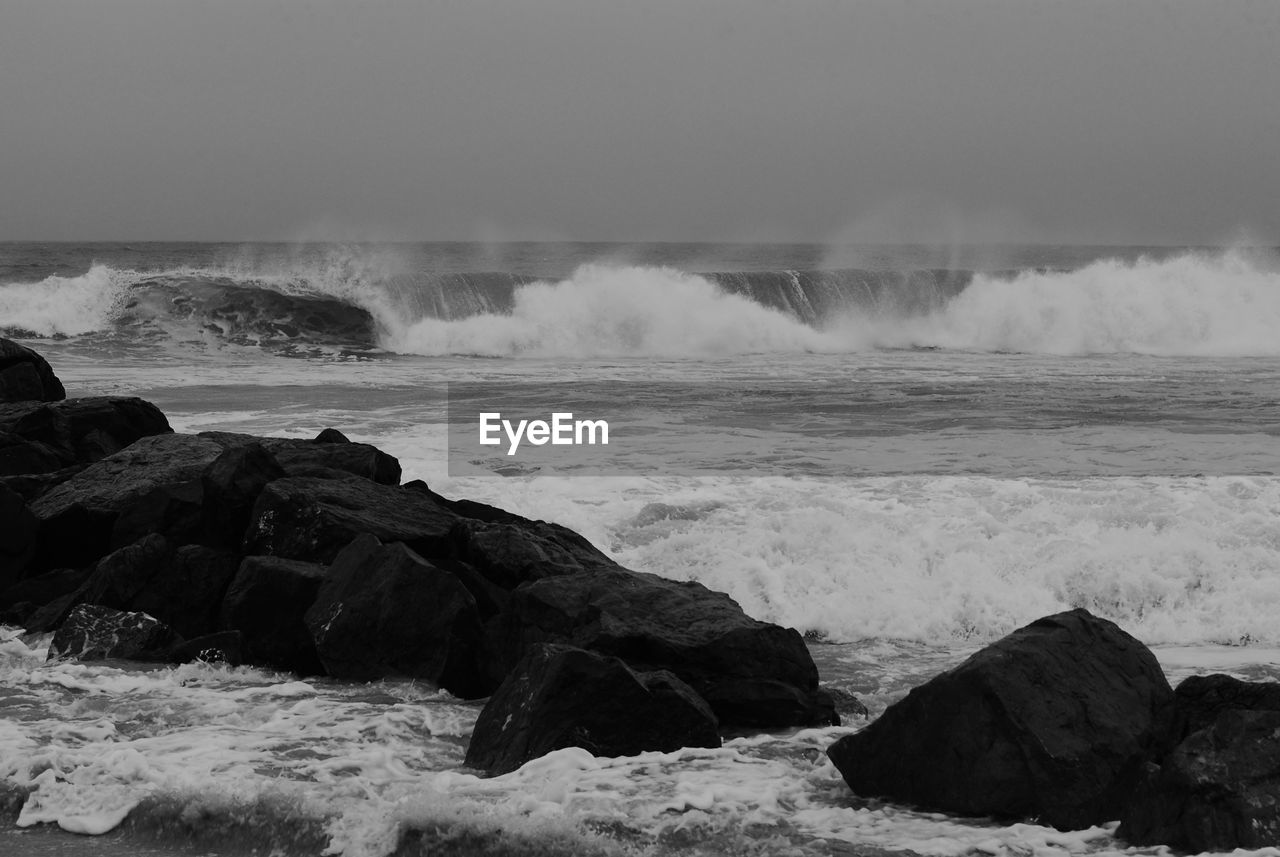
point(1218, 790)
point(93, 632)
point(1052, 722)
point(26, 376)
point(267, 603)
point(515, 551)
point(752, 674)
point(78, 517)
point(222, 647)
point(1200, 699)
point(559, 696)
point(231, 485)
point(304, 457)
point(82, 431)
point(384, 611)
point(313, 519)
point(42, 589)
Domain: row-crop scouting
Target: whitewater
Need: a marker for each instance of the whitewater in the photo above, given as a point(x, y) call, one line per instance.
point(904, 458)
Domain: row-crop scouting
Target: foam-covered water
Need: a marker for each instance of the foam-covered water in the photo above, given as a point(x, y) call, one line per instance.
point(950, 455)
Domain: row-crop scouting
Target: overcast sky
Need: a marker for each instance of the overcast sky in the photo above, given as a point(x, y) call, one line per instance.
point(958, 120)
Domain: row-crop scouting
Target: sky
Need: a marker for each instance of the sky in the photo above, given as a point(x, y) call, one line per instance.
point(962, 121)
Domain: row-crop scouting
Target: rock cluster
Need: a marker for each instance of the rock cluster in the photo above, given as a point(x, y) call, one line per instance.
point(129, 540)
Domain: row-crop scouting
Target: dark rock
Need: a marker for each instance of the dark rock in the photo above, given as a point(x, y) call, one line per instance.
point(78, 517)
point(33, 486)
point(43, 588)
point(753, 674)
point(223, 647)
point(1199, 700)
point(509, 553)
point(300, 457)
point(385, 611)
point(25, 375)
point(331, 435)
point(558, 696)
point(1052, 722)
point(182, 587)
point(19, 456)
point(231, 485)
point(267, 603)
point(84, 430)
point(175, 511)
point(93, 632)
point(17, 539)
point(312, 519)
point(1219, 790)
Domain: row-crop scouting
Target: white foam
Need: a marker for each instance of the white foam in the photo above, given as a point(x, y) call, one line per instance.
point(64, 306)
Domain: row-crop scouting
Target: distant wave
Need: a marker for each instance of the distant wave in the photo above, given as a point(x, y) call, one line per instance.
point(1194, 304)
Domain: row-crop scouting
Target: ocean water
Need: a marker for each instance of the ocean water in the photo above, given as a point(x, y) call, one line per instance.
point(904, 452)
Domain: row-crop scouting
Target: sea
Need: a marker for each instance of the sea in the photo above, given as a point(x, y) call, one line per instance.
point(904, 452)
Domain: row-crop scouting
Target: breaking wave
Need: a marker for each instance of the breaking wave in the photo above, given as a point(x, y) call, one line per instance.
point(1195, 304)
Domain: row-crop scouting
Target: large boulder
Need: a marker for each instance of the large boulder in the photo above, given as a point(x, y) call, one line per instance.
point(384, 611)
point(1218, 785)
point(330, 452)
point(93, 632)
point(78, 518)
point(312, 518)
point(517, 550)
point(26, 376)
point(1218, 790)
point(559, 696)
point(230, 486)
point(267, 603)
point(1052, 722)
point(753, 674)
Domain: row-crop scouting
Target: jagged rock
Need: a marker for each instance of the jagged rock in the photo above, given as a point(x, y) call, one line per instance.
point(559, 696)
point(267, 603)
point(17, 539)
point(751, 673)
point(1199, 700)
point(77, 518)
point(93, 632)
point(182, 587)
point(312, 519)
point(33, 486)
point(26, 376)
point(1218, 790)
point(509, 553)
point(384, 611)
point(304, 457)
point(1052, 722)
point(231, 485)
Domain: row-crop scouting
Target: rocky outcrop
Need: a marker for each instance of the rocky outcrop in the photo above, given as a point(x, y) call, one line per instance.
point(559, 696)
point(382, 610)
point(753, 674)
point(1053, 722)
point(26, 376)
point(329, 452)
point(40, 437)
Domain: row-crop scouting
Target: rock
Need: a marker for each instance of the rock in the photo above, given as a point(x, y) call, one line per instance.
point(174, 511)
point(182, 587)
point(267, 603)
point(93, 632)
point(17, 538)
point(43, 588)
point(303, 457)
point(231, 485)
point(509, 553)
point(33, 486)
point(19, 456)
point(385, 611)
point(1200, 699)
point(25, 375)
point(83, 430)
point(1219, 790)
point(331, 435)
point(1052, 722)
point(559, 696)
point(313, 519)
point(78, 517)
point(223, 647)
point(752, 674)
